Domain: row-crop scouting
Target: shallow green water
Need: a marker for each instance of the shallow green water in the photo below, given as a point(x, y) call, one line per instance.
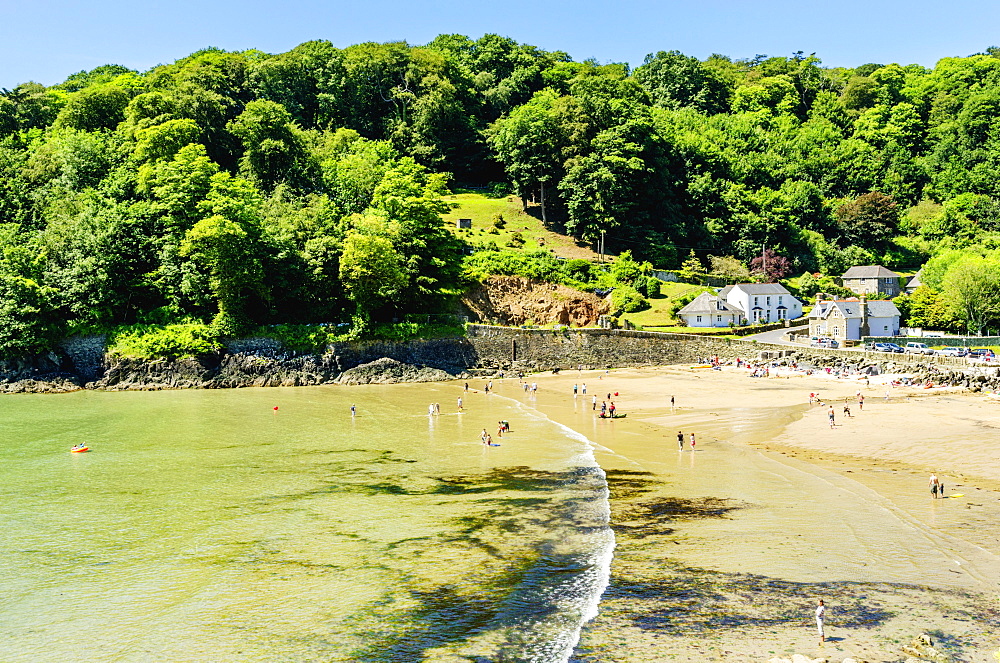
point(205, 526)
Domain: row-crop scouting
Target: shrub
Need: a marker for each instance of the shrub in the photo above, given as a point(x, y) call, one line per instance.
point(163, 341)
point(626, 299)
point(498, 222)
point(301, 338)
point(648, 286)
point(516, 240)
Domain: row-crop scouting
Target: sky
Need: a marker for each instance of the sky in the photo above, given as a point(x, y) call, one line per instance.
point(47, 40)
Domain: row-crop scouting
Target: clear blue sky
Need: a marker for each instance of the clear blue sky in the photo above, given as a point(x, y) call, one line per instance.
point(46, 40)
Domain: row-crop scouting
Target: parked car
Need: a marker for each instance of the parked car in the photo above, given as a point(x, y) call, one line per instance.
point(824, 343)
point(951, 351)
point(914, 348)
point(983, 354)
point(887, 347)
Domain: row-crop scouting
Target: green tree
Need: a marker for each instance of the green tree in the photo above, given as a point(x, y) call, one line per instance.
point(372, 272)
point(973, 284)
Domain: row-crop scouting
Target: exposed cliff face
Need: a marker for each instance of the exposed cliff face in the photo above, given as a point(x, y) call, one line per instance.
point(514, 300)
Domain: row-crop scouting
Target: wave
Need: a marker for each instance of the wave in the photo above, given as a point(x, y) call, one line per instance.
point(573, 571)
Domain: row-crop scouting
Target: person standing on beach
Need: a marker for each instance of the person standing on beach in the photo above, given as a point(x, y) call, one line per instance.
point(459, 403)
point(574, 390)
point(692, 441)
point(820, 618)
point(680, 440)
point(583, 388)
point(934, 483)
point(887, 394)
point(595, 403)
point(671, 402)
point(354, 410)
point(861, 401)
point(831, 414)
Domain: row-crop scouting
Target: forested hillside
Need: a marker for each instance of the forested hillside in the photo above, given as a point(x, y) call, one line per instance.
point(248, 188)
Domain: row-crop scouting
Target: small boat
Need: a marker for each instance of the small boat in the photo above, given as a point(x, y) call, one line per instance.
point(78, 450)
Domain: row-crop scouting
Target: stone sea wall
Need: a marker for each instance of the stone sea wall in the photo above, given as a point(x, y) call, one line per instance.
point(485, 350)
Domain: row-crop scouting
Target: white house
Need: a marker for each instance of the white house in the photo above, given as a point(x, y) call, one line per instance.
point(762, 302)
point(745, 303)
point(850, 319)
point(710, 311)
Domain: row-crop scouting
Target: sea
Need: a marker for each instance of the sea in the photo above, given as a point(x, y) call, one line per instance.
point(275, 525)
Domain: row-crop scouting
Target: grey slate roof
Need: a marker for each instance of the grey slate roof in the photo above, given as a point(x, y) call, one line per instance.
point(762, 289)
point(882, 309)
point(710, 305)
point(869, 272)
point(915, 281)
point(852, 309)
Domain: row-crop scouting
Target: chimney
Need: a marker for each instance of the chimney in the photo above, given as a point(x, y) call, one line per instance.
point(864, 316)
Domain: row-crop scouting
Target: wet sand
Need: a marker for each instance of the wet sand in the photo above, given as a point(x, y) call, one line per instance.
point(723, 551)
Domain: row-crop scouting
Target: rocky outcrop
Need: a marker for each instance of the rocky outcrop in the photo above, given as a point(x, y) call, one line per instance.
point(390, 371)
point(514, 300)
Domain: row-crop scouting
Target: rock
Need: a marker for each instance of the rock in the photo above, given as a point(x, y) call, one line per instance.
point(390, 371)
point(922, 650)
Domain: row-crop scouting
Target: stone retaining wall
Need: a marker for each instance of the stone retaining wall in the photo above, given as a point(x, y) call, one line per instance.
point(485, 350)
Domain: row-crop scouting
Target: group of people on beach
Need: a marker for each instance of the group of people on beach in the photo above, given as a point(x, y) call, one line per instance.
point(680, 441)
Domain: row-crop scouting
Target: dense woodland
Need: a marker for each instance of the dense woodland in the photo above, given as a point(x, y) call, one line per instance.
point(244, 189)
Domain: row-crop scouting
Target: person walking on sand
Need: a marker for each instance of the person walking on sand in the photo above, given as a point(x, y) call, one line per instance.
point(820, 618)
point(583, 388)
point(460, 404)
point(483, 436)
point(861, 402)
point(934, 483)
point(671, 402)
point(831, 414)
point(595, 403)
point(680, 440)
point(692, 441)
point(354, 410)
point(574, 389)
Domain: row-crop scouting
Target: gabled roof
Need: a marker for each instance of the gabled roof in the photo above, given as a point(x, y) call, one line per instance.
point(761, 288)
point(882, 309)
point(851, 308)
point(710, 305)
point(869, 272)
point(915, 281)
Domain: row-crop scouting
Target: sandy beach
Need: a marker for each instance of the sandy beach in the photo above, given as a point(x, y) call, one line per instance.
point(723, 551)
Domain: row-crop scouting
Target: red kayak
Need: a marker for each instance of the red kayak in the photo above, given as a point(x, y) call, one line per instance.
point(79, 450)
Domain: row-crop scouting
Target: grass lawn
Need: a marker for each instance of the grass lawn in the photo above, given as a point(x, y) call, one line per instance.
point(659, 315)
point(483, 209)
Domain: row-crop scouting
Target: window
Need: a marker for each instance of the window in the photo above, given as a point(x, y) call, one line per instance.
point(885, 327)
point(836, 331)
point(755, 300)
point(781, 314)
point(779, 300)
point(718, 318)
point(698, 319)
point(768, 301)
